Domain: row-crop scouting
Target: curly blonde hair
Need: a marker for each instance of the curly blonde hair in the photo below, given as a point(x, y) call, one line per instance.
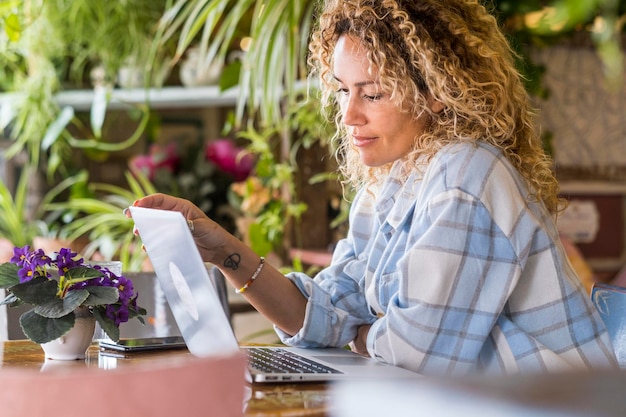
point(452, 51)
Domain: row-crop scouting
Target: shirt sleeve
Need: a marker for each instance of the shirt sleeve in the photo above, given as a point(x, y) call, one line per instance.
point(336, 304)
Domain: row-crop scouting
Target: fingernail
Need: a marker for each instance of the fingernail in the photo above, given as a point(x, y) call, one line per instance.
point(125, 211)
point(135, 203)
point(135, 231)
point(143, 247)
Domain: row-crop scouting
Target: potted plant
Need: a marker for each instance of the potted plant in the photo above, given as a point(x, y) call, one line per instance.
point(93, 211)
point(62, 288)
point(269, 201)
point(79, 36)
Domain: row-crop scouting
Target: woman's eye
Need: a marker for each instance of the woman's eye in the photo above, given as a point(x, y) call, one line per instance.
point(372, 98)
point(343, 91)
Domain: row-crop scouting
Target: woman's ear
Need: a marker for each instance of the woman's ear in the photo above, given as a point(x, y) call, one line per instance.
point(436, 106)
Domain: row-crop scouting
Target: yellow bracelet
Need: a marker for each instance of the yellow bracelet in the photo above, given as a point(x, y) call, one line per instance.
point(252, 278)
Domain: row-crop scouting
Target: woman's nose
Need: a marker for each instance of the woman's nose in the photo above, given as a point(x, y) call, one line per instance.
point(351, 113)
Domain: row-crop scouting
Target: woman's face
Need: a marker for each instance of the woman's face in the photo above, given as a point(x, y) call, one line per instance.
point(379, 130)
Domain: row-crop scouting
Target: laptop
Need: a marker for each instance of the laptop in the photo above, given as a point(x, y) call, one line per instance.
point(206, 329)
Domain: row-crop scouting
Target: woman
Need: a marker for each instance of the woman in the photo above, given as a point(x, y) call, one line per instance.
point(452, 263)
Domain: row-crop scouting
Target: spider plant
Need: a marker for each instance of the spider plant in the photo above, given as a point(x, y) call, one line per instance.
point(15, 224)
point(47, 45)
point(274, 63)
point(280, 30)
point(97, 214)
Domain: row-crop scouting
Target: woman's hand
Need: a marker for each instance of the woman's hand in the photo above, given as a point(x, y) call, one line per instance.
point(359, 344)
point(272, 294)
point(167, 202)
point(209, 236)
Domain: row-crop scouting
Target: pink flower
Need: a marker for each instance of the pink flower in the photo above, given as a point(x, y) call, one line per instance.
point(143, 164)
point(229, 158)
point(165, 156)
point(159, 157)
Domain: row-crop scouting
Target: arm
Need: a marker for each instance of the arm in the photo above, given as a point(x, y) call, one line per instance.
point(337, 306)
point(272, 294)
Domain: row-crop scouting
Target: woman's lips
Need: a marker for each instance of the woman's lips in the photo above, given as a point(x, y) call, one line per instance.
point(360, 141)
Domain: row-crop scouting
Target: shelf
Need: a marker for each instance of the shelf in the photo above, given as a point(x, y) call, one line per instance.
point(592, 187)
point(161, 98)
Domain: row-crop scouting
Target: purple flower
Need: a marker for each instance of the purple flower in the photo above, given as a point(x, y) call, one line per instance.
point(107, 279)
point(120, 311)
point(117, 313)
point(65, 260)
point(32, 264)
point(25, 275)
point(20, 255)
point(125, 288)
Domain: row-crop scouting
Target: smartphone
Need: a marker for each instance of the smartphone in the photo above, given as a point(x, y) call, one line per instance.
point(144, 344)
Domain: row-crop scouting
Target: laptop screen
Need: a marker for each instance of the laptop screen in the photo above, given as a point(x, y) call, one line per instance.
point(183, 275)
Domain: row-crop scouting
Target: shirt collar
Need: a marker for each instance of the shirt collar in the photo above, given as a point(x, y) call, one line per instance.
point(397, 195)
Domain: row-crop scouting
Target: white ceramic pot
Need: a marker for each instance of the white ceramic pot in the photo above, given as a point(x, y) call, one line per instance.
point(75, 343)
point(130, 77)
point(195, 72)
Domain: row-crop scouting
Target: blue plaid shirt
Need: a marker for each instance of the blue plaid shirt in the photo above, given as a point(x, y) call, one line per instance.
point(456, 271)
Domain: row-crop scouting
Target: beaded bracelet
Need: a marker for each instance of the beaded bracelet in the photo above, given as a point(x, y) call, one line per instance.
point(252, 278)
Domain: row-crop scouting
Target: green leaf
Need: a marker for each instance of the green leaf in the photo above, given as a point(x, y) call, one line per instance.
point(11, 300)
point(13, 224)
point(98, 110)
point(41, 329)
point(106, 324)
point(8, 275)
point(259, 242)
point(38, 290)
point(57, 307)
point(82, 273)
point(137, 312)
point(56, 128)
point(101, 296)
point(230, 76)
point(13, 27)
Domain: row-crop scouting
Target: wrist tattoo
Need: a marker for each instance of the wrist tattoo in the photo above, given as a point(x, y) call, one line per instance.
point(232, 261)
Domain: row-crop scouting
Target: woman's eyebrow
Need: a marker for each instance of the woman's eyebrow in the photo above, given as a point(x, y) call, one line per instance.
point(359, 84)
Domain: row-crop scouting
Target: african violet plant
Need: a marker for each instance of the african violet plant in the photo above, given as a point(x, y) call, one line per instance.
point(57, 285)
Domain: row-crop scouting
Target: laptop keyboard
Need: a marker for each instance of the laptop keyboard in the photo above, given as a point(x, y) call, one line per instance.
point(278, 360)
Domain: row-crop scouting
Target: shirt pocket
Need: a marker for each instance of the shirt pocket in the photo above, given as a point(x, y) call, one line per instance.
point(382, 291)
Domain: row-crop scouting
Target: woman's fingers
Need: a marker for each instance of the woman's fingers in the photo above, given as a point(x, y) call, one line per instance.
point(168, 202)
